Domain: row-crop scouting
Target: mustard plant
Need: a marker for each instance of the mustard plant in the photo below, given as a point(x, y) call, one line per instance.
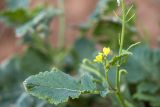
point(57, 87)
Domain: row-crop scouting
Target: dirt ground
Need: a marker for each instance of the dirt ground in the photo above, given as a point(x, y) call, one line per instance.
point(77, 11)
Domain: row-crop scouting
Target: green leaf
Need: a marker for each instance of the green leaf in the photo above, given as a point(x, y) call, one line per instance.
point(37, 23)
point(129, 104)
point(108, 27)
point(57, 87)
point(153, 99)
point(87, 82)
point(24, 101)
point(15, 17)
point(138, 65)
point(143, 64)
point(87, 46)
point(104, 93)
point(114, 60)
point(104, 32)
point(34, 61)
point(13, 4)
point(103, 6)
point(98, 73)
point(8, 68)
point(147, 87)
point(90, 67)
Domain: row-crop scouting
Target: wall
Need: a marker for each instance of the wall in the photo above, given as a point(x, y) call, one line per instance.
point(77, 11)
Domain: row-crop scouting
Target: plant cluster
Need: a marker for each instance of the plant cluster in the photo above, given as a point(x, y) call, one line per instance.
point(89, 75)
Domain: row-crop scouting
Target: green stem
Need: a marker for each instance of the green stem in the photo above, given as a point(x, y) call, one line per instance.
point(62, 25)
point(121, 99)
point(108, 82)
point(119, 95)
point(123, 26)
point(106, 76)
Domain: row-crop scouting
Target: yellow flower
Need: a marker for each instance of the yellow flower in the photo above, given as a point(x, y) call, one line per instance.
point(99, 58)
point(106, 51)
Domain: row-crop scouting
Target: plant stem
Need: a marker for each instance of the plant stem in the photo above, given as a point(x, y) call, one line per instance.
point(121, 99)
point(62, 25)
point(123, 26)
point(118, 93)
point(108, 82)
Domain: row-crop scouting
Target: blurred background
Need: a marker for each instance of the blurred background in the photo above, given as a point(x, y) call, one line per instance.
point(77, 11)
point(36, 35)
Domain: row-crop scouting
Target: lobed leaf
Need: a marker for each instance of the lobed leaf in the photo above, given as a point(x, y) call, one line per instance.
point(57, 87)
point(144, 64)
